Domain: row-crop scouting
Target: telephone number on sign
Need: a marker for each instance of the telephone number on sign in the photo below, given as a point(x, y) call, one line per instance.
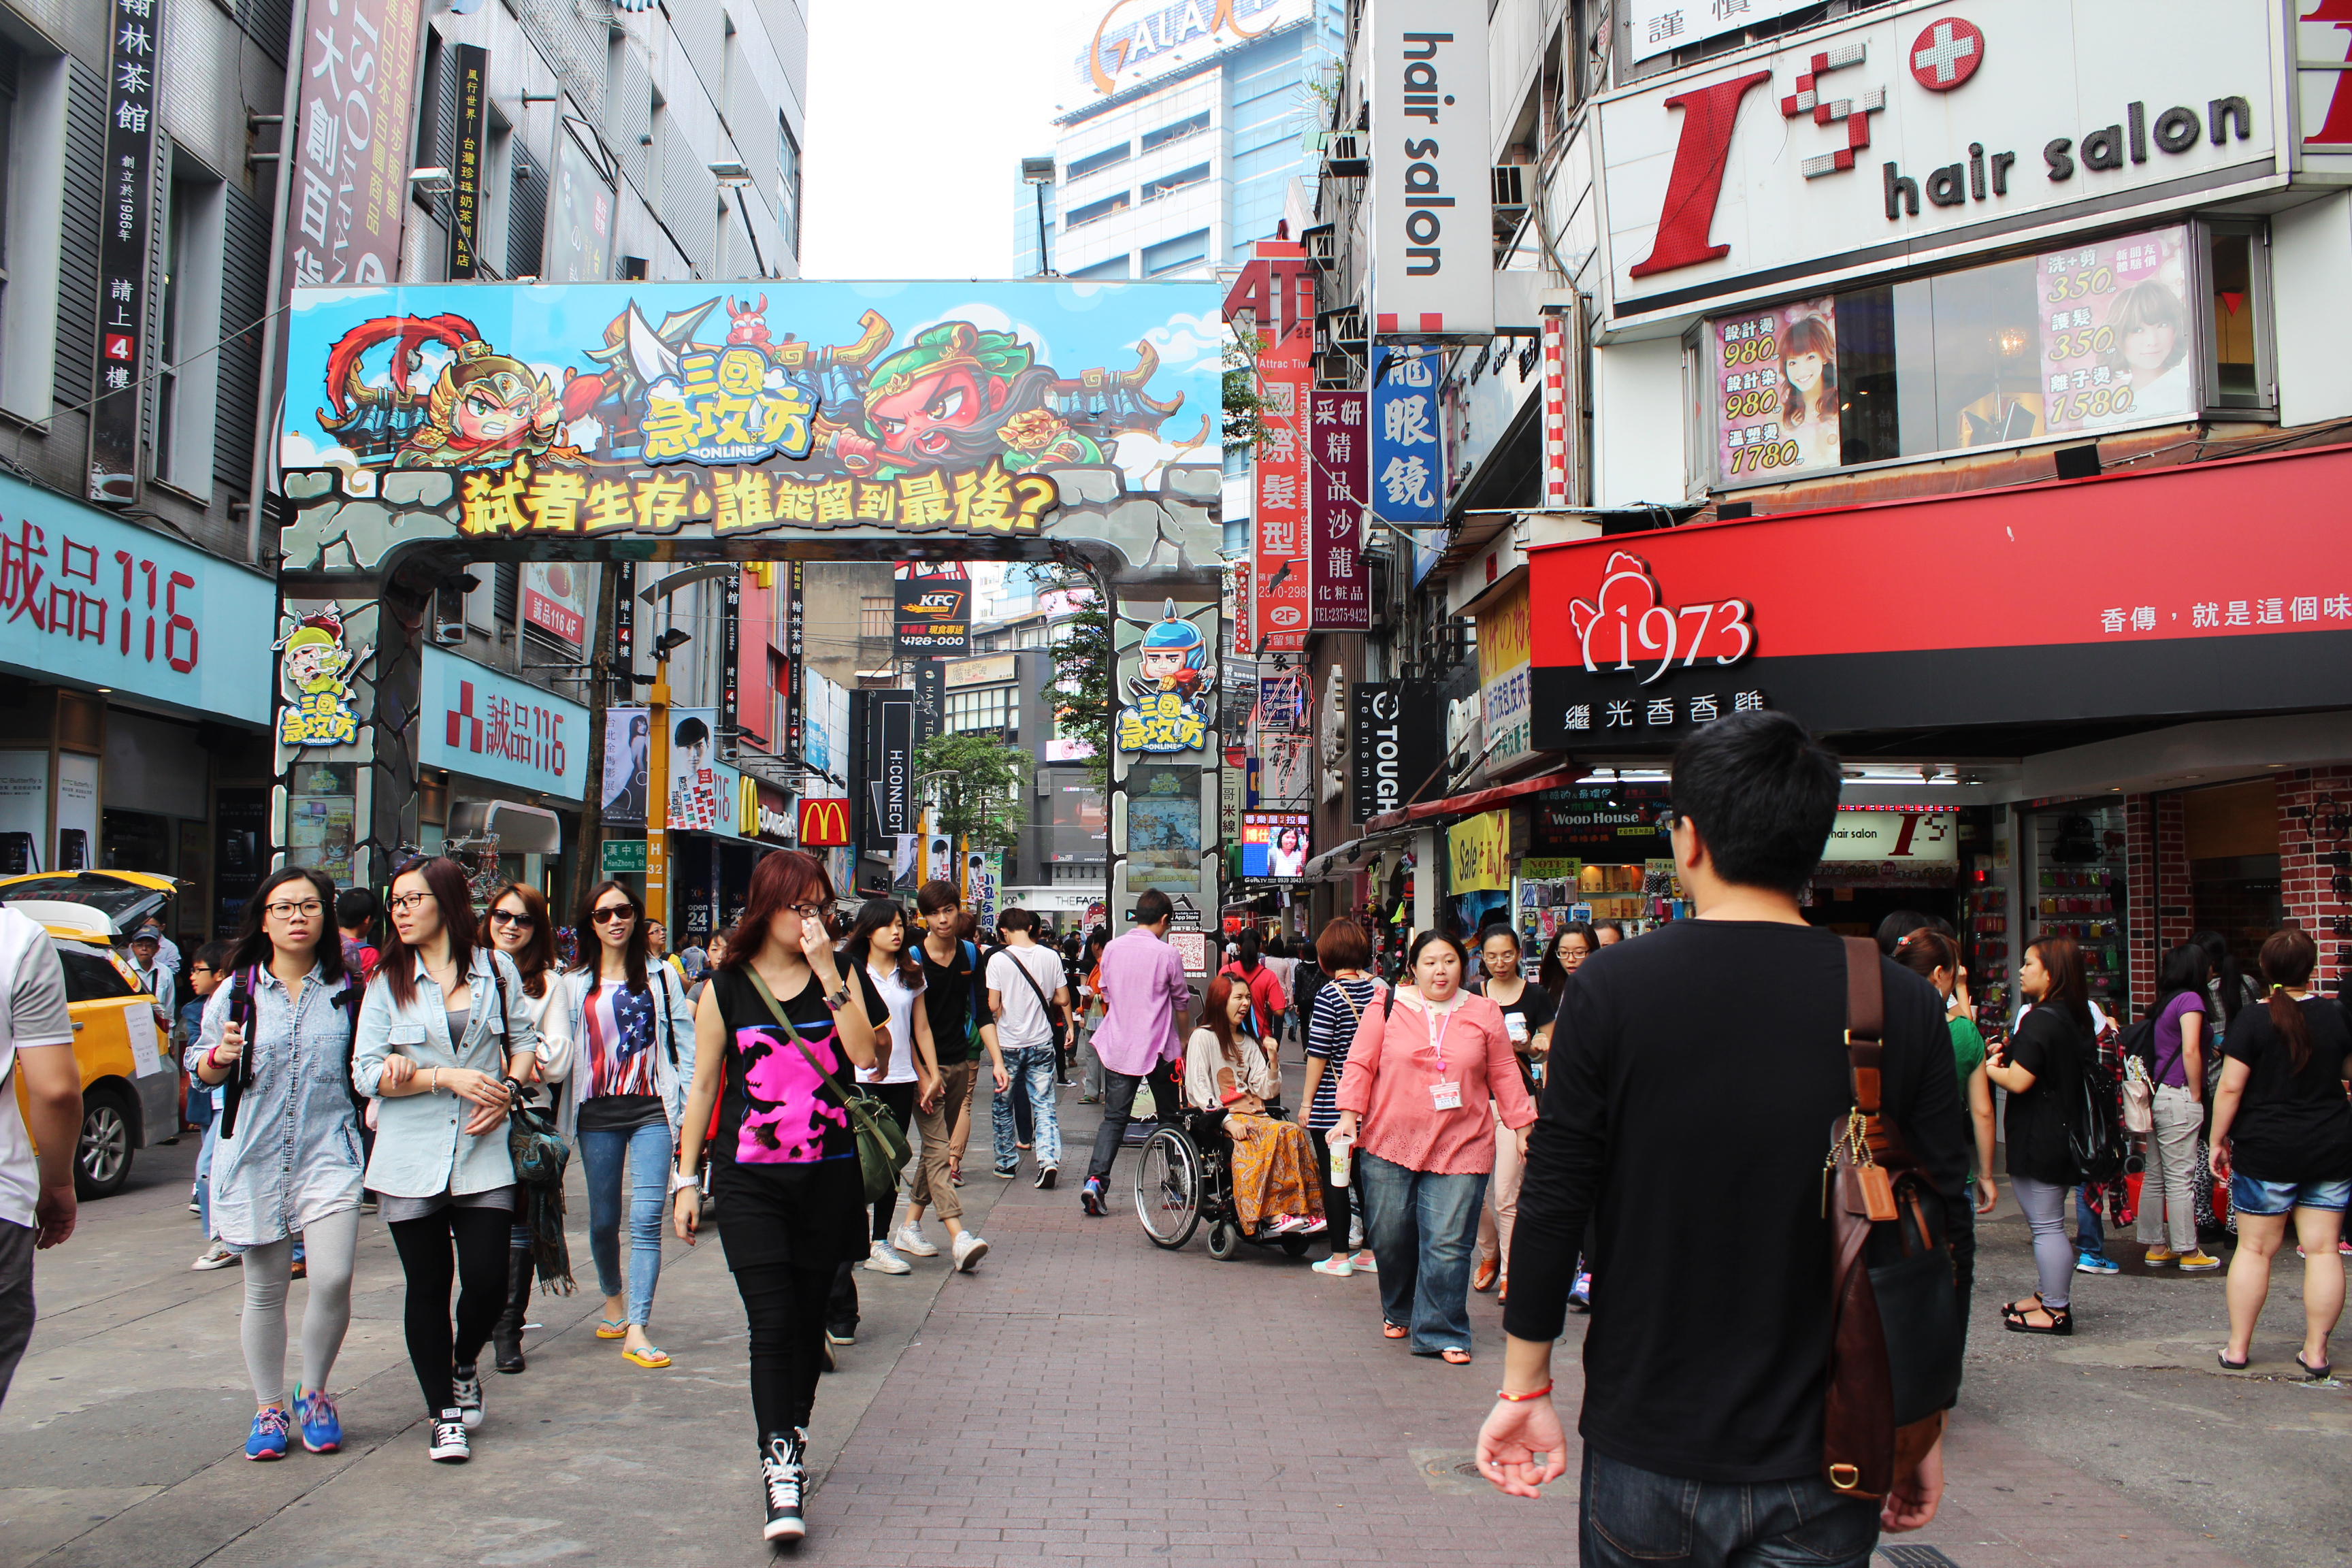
point(1765, 455)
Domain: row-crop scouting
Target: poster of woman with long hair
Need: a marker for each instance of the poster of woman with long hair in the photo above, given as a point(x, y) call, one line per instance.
point(1776, 391)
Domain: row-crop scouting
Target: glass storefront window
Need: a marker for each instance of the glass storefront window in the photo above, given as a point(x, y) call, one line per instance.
point(2099, 336)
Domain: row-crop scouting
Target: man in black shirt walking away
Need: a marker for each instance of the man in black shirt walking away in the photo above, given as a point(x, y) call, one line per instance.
point(1696, 1074)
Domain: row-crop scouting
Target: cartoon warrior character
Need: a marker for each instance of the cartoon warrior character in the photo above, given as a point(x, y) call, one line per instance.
point(485, 410)
point(955, 398)
point(1169, 697)
point(314, 673)
point(375, 422)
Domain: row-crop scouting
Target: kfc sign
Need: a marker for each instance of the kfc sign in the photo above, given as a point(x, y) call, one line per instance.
point(1627, 624)
point(824, 824)
point(1954, 125)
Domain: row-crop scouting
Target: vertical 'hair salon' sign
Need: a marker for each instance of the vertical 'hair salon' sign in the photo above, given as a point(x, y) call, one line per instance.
point(1433, 200)
point(122, 243)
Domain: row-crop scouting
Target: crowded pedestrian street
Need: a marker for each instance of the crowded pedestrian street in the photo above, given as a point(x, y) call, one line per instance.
point(1081, 1397)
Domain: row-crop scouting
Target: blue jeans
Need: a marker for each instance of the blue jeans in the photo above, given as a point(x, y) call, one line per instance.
point(647, 1151)
point(2090, 1236)
point(1633, 1517)
point(204, 1167)
point(1031, 1067)
point(1422, 1228)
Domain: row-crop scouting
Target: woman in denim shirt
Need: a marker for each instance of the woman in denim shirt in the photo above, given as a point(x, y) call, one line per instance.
point(445, 1027)
point(633, 1058)
point(285, 1154)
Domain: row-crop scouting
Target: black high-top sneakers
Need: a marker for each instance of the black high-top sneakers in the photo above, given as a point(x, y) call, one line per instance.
point(782, 1476)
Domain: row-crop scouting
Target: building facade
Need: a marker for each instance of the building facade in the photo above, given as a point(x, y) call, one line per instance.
point(1889, 364)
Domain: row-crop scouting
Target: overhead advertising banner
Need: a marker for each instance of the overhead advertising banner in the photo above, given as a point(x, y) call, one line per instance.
point(628, 746)
point(471, 719)
point(1276, 843)
point(1394, 742)
point(98, 601)
point(579, 218)
point(695, 793)
point(931, 617)
point(1408, 470)
point(555, 599)
point(1432, 190)
point(930, 701)
point(1636, 649)
point(823, 824)
point(644, 408)
point(1134, 43)
point(1479, 853)
point(473, 66)
point(1338, 591)
point(134, 50)
point(1661, 27)
point(1503, 664)
point(1924, 838)
point(1280, 475)
point(1906, 136)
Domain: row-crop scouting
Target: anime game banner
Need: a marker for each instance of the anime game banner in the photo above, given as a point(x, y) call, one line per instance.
point(655, 407)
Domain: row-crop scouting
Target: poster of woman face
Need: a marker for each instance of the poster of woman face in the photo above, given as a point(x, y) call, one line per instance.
point(625, 750)
point(1776, 390)
point(2115, 335)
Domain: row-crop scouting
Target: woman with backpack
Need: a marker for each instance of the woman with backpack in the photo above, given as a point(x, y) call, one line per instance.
point(2042, 1065)
point(2176, 1070)
point(286, 1149)
point(520, 928)
point(2228, 989)
point(2282, 1139)
point(633, 1056)
point(443, 1035)
point(1344, 954)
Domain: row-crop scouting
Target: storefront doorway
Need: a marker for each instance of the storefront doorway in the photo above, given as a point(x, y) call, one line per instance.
point(2231, 838)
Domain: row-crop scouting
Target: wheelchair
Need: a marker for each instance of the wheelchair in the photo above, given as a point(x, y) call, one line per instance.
point(1184, 1177)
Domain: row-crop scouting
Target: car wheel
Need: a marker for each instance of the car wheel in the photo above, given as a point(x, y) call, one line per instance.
point(102, 1163)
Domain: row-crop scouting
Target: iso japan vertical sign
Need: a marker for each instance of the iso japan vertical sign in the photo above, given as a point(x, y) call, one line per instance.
point(1433, 195)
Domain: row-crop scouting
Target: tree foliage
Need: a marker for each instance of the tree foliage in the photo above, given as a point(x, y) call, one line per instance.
point(981, 799)
point(1245, 408)
point(1079, 690)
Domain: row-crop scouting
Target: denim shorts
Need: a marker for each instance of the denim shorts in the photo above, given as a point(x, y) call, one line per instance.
point(2248, 1195)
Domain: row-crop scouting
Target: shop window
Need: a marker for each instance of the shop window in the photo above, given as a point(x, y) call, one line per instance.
point(874, 616)
point(2138, 329)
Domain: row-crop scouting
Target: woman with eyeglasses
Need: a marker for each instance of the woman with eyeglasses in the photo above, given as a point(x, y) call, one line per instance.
point(633, 1033)
point(286, 1152)
point(779, 1033)
point(520, 928)
point(1527, 1012)
point(443, 1036)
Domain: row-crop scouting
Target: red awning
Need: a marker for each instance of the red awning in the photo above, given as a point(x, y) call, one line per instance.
point(1470, 805)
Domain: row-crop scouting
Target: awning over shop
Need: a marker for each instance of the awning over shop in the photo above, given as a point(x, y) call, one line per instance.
point(1469, 805)
point(1342, 859)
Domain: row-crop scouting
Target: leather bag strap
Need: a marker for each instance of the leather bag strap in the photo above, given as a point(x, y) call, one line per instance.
point(1865, 1020)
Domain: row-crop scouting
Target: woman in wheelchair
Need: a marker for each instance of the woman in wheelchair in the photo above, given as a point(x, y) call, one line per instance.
point(1273, 1161)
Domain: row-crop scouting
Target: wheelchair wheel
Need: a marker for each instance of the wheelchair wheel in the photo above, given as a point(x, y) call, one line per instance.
point(1167, 1188)
point(1224, 1240)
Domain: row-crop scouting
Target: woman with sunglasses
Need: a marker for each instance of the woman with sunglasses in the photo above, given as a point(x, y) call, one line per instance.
point(286, 1152)
point(519, 929)
point(444, 1033)
point(633, 1033)
point(779, 1035)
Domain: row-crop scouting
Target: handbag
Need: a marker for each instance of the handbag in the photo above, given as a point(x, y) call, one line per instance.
point(1045, 1004)
point(882, 1147)
point(1894, 1321)
point(540, 1156)
point(2139, 1098)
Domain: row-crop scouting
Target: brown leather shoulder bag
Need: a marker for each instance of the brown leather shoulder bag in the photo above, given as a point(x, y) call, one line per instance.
point(1894, 1322)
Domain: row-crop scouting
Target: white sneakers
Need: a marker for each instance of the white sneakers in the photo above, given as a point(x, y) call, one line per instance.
point(909, 1241)
point(216, 1256)
point(970, 1248)
point(882, 1260)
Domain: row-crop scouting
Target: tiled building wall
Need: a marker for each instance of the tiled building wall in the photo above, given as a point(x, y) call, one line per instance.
point(2316, 862)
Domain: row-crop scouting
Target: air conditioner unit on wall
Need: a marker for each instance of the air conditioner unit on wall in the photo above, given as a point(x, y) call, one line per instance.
point(1343, 157)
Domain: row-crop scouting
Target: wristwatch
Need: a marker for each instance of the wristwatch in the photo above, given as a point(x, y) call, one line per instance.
point(679, 1181)
point(839, 999)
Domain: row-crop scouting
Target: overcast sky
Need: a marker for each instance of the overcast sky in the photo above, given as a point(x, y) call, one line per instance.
point(920, 114)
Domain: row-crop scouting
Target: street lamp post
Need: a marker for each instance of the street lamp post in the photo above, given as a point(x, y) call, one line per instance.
point(657, 780)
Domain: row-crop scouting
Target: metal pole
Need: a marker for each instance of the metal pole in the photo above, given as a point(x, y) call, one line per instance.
point(658, 795)
point(1044, 262)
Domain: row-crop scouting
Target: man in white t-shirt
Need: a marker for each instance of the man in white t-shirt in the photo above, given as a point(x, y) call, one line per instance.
point(37, 1198)
point(1023, 977)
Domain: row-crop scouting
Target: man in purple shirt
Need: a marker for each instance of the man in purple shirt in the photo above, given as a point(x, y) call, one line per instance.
point(1145, 996)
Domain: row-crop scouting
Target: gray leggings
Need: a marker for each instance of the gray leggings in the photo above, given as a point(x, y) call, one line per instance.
point(329, 1246)
point(2044, 1204)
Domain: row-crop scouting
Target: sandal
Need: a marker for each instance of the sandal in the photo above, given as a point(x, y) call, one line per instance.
point(1391, 1332)
point(612, 1329)
point(2062, 1321)
point(2319, 1373)
point(2024, 1305)
point(2229, 1365)
point(1453, 1357)
point(651, 1356)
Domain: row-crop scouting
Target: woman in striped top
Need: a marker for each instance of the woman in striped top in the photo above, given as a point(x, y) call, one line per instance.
point(1343, 953)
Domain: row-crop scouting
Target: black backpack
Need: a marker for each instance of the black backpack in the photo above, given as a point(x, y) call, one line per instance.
point(2094, 1133)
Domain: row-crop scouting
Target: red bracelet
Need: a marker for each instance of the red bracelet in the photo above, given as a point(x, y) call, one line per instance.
point(1523, 1398)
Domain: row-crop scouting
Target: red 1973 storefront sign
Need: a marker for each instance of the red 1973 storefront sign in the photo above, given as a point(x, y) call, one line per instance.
point(1627, 625)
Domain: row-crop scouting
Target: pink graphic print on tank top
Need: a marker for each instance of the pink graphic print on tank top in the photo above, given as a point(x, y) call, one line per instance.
point(785, 1114)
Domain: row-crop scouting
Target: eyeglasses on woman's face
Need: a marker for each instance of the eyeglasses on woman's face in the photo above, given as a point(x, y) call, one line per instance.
point(605, 914)
point(401, 903)
point(286, 909)
point(805, 911)
point(523, 917)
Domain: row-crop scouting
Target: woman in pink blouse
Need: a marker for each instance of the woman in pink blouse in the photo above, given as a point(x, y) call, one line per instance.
point(1413, 1103)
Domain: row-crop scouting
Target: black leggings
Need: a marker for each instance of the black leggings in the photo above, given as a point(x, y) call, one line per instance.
point(482, 1236)
point(1337, 1213)
point(900, 1099)
point(784, 1307)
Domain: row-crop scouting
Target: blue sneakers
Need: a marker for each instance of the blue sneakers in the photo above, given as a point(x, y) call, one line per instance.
point(267, 1438)
point(322, 1430)
point(1090, 1196)
point(2096, 1263)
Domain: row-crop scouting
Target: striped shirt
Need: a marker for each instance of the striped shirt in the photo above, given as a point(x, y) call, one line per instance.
point(1339, 1008)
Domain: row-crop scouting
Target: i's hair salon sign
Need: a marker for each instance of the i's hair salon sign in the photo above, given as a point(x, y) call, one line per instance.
point(1926, 131)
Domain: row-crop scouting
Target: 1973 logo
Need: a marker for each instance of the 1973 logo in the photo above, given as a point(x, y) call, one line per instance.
point(1628, 624)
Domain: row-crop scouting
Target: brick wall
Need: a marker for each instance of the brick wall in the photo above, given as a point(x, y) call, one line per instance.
point(2314, 824)
point(2157, 864)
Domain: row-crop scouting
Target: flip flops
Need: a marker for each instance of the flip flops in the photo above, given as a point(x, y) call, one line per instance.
point(652, 1356)
point(612, 1329)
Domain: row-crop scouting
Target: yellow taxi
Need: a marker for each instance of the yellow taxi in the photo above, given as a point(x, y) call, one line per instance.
point(129, 1070)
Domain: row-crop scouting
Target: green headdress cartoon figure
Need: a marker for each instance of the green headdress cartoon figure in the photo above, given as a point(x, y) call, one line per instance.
point(954, 398)
point(1169, 706)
